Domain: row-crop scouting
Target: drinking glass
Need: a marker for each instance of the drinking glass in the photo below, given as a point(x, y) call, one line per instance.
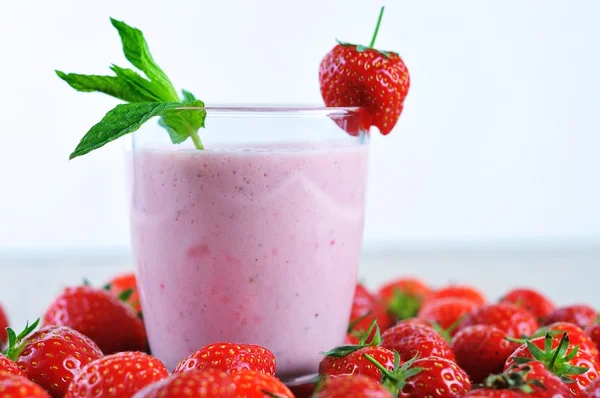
point(255, 239)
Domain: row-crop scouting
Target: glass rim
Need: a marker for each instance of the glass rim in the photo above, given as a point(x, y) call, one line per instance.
point(277, 111)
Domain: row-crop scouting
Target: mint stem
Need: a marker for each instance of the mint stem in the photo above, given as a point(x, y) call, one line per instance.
point(197, 141)
point(377, 27)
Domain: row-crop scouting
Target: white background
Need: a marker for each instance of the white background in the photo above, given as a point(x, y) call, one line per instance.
point(498, 142)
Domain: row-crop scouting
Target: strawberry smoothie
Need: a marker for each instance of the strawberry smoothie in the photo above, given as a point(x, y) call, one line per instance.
point(255, 246)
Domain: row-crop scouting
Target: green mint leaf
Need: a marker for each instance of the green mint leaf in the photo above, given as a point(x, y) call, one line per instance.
point(154, 92)
point(183, 123)
point(187, 96)
point(122, 120)
point(110, 85)
point(137, 52)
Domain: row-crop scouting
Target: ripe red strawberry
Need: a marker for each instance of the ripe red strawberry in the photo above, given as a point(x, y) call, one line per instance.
point(515, 321)
point(125, 285)
point(351, 386)
point(577, 336)
point(229, 358)
point(8, 366)
point(528, 380)
point(355, 75)
point(252, 384)
point(410, 339)
point(459, 291)
point(427, 377)
point(404, 296)
point(481, 350)
point(560, 358)
point(592, 391)
point(354, 363)
point(534, 302)
point(579, 314)
point(3, 326)
point(448, 312)
point(365, 309)
point(97, 314)
point(594, 332)
point(12, 385)
point(212, 383)
point(117, 375)
point(53, 356)
point(492, 393)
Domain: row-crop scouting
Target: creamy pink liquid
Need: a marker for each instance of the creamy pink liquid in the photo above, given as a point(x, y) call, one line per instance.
point(257, 246)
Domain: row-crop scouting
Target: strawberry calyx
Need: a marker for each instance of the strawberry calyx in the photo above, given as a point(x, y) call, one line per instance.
point(447, 332)
point(402, 305)
point(513, 381)
point(555, 360)
point(342, 351)
point(361, 48)
point(15, 342)
point(395, 380)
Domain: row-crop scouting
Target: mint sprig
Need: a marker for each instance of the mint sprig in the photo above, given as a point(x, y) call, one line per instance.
point(146, 96)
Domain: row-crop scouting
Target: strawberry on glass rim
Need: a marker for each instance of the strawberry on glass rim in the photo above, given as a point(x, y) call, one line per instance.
point(357, 75)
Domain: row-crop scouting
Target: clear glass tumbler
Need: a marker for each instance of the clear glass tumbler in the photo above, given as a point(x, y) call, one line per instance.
point(257, 238)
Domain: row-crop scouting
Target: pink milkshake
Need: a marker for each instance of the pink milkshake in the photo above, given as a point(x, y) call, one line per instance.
point(253, 246)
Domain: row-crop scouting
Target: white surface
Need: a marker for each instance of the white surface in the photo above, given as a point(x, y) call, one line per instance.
point(566, 274)
point(499, 139)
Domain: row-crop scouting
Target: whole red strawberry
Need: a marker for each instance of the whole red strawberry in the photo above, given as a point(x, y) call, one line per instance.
point(577, 336)
point(579, 314)
point(8, 366)
point(351, 386)
point(411, 339)
point(365, 309)
point(560, 358)
point(592, 391)
point(481, 350)
point(53, 356)
point(17, 386)
point(355, 75)
point(97, 314)
point(404, 296)
point(3, 326)
point(529, 380)
point(253, 384)
point(125, 286)
point(118, 375)
point(493, 393)
point(448, 312)
point(459, 291)
point(533, 301)
point(427, 377)
point(515, 321)
point(229, 358)
point(354, 363)
point(212, 383)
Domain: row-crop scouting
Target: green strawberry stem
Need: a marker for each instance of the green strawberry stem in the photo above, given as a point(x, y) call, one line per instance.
point(342, 351)
point(377, 27)
point(404, 306)
point(555, 360)
point(512, 381)
point(15, 345)
point(395, 380)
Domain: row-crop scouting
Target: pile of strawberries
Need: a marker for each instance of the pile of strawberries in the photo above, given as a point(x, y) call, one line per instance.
point(407, 340)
